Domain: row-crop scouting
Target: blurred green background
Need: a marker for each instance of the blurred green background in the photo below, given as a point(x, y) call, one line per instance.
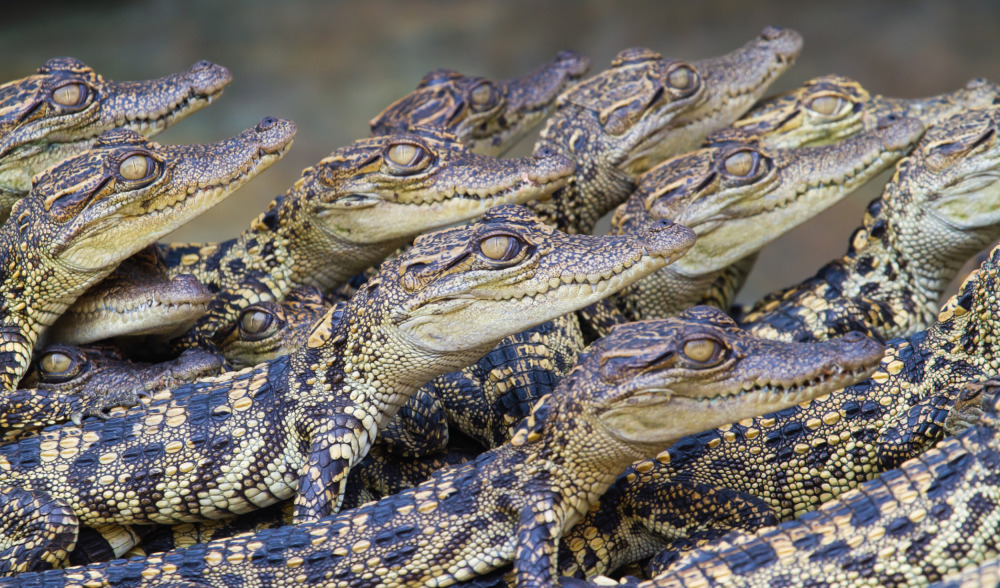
point(331, 66)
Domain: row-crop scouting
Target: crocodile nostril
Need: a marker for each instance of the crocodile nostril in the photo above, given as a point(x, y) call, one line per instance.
point(266, 123)
point(887, 121)
point(854, 337)
point(545, 152)
point(662, 224)
point(203, 64)
point(771, 33)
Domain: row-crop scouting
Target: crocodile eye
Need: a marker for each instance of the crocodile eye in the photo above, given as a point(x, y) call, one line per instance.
point(55, 363)
point(703, 351)
point(827, 105)
point(742, 164)
point(407, 158)
point(137, 167)
point(482, 96)
point(682, 78)
point(71, 95)
point(500, 247)
point(253, 322)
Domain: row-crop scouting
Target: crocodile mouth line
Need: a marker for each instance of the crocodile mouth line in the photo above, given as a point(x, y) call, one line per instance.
point(155, 122)
point(570, 286)
point(247, 170)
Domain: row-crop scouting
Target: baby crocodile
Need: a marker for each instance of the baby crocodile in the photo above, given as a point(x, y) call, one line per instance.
point(940, 207)
point(296, 425)
point(832, 108)
point(739, 195)
point(912, 526)
point(645, 109)
point(138, 298)
point(632, 394)
point(808, 455)
point(59, 112)
point(353, 209)
point(70, 382)
point(90, 212)
point(485, 116)
point(489, 116)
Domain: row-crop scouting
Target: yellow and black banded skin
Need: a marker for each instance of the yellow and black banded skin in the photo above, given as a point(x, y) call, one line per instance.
point(489, 116)
point(66, 382)
point(59, 112)
point(739, 195)
point(85, 215)
point(484, 401)
point(918, 524)
point(378, 475)
point(515, 502)
point(350, 211)
point(296, 425)
point(832, 108)
point(935, 213)
point(645, 109)
point(809, 454)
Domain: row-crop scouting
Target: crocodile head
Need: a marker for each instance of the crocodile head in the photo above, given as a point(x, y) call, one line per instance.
point(365, 200)
point(487, 115)
point(266, 330)
point(738, 195)
point(647, 384)
point(733, 83)
point(459, 291)
point(93, 378)
point(93, 210)
point(60, 111)
point(832, 108)
point(943, 203)
point(138, 298)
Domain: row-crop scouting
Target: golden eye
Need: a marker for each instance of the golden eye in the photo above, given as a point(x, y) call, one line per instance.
point(55, 363)
point(137, 167)
point(70, 94)
point(405, 154)
point(483, 96)
point(500, 247)
point(701, 350)
point(255, 321)
point(681, 78)
point(826, 105)
point(742, 163)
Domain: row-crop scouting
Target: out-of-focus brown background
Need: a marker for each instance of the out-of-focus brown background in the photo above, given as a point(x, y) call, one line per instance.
point(331, 66)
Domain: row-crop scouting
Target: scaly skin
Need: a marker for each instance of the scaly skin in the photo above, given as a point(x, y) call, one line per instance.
point(59, 112)
point(489, 116)
point(739, 195)
point(138, 298)
point(87, 214)
point(296, 425)
point(632, 394)
point(378, 475)
point(353, 209)
point(832, 108)
point(485, 401)
point(913, 526)
point(486, 116)
point(806, 456)
point(66, 382)
point(937, 211)
point(645, 109)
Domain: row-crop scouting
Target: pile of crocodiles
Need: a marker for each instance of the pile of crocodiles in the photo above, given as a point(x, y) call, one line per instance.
point(420, 367)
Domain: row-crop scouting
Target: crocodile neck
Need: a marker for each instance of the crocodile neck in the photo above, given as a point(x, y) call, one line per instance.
point(32, 300)
point(596, 187)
